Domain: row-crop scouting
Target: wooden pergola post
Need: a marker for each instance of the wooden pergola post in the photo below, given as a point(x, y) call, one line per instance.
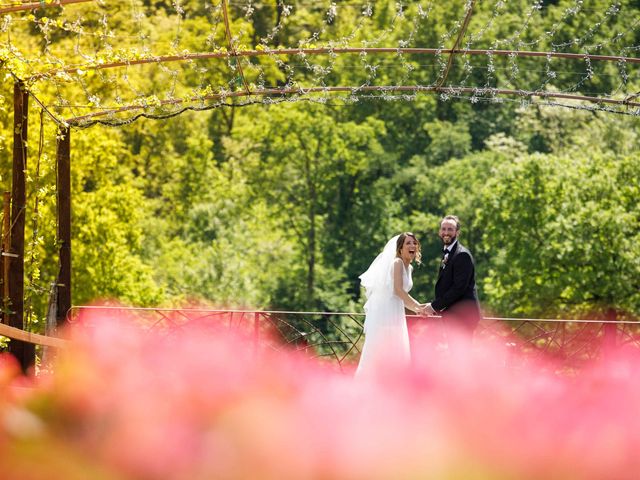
point(24, 352)
point(6, 252)
point(63, 297)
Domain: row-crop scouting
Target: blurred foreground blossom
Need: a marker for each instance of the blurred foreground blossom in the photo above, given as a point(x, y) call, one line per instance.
point(203, 403)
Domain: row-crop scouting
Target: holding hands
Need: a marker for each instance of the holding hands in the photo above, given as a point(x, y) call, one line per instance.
point(425, 309)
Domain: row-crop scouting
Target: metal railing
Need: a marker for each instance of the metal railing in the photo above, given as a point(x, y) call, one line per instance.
point(335, 335)
point(338, 336)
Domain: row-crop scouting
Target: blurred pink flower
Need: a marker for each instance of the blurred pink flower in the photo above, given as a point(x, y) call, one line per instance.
point(201, 403)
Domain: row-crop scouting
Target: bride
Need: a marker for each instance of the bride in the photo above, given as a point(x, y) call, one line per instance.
point(387, 283)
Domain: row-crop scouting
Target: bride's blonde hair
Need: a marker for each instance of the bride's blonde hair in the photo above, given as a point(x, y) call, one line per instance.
point(400, 244)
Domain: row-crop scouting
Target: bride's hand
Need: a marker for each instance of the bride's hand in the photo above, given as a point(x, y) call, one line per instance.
point(429, 310)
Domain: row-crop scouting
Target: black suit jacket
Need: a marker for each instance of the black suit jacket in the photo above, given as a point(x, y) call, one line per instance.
point(456, 293)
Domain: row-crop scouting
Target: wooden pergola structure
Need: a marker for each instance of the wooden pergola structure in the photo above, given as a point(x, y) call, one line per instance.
point(14, 228)
point(14, 223)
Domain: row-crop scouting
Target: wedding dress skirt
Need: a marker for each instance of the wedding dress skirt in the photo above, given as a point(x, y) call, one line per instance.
point(386, 343)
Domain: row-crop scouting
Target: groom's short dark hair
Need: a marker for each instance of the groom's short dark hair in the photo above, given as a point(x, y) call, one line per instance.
point(454, 218)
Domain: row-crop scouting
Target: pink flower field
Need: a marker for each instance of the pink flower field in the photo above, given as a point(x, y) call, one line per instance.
point(202, 403)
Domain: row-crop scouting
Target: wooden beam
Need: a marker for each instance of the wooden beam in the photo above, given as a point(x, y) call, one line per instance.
point(232, 47)
point(6, 253)
point(32, 338)
point(38, 5)
point(24, 353)
point(63, 298)
point(327, 51)
point(463, 30)
point(85, 120)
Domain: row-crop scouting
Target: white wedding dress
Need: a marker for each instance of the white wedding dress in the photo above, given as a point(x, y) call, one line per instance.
point(386, 344)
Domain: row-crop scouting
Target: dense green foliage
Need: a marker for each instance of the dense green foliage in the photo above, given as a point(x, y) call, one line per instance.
point(283, 206)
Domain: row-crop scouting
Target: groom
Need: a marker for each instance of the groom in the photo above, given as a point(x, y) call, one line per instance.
point(456, 296)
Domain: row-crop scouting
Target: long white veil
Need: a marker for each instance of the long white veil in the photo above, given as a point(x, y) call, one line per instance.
point(378, 277)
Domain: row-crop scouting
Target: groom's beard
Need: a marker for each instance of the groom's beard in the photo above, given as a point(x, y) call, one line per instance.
point(448, 242)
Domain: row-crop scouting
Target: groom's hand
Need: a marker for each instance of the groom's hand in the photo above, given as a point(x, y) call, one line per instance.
point(428, 309)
